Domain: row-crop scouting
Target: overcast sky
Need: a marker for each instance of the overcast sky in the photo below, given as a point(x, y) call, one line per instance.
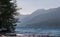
point(29, 6)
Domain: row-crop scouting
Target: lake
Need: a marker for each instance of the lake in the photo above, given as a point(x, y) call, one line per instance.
point(38, 30)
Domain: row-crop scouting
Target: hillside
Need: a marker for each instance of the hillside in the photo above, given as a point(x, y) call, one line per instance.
point(41, 18)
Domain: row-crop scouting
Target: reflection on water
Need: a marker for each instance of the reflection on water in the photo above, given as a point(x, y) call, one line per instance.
point(37, 30)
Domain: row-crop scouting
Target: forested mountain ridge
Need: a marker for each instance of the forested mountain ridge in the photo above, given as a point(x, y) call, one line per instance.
point(50, 17)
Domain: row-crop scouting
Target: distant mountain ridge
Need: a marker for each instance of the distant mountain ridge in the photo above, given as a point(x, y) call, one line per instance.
point(41, 18)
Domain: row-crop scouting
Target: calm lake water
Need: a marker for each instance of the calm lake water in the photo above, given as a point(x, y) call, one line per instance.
point(38, 30)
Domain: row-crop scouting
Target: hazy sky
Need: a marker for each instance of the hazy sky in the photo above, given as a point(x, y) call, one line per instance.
point(29, 6)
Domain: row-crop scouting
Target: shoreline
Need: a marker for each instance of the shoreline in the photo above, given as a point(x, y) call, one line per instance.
point(27, 35)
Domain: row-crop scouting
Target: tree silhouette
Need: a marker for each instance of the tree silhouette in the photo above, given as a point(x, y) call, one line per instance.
point(7, 13)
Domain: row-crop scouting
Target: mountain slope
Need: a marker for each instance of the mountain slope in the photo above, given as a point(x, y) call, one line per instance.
point(48, 18)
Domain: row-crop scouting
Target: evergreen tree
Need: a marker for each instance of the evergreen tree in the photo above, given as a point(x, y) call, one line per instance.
point(7, 13)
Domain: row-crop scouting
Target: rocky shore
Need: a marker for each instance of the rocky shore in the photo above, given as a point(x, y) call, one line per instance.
point(26, 35)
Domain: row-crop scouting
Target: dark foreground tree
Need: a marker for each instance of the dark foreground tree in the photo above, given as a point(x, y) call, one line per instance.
point(7, 13)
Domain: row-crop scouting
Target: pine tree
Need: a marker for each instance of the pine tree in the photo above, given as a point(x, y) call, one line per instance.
point(7, 13)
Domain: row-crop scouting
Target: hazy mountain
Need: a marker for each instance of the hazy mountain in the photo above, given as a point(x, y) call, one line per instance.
point(21, 17)
point(41, 18)
point(35, 13)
